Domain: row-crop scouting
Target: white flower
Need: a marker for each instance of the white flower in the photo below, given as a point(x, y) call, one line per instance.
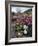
point(25, 27)
point(25, 32)
point(18, 33)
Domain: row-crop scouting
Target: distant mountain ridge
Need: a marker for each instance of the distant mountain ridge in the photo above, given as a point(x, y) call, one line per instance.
point(29, 10)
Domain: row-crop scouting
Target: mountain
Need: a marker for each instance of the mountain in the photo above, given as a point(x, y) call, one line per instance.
point(28, 11)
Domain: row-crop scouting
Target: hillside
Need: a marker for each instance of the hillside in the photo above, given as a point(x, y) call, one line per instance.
point(28, 11)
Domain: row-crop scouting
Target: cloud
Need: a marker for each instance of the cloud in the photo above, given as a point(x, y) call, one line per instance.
point(21, 9)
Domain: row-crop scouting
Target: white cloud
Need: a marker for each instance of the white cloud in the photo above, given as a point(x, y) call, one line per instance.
point(16, 9)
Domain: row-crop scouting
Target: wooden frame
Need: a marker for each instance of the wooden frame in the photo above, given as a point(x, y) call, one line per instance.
point(6, 33)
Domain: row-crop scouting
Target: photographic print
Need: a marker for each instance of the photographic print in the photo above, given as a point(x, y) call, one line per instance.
point(21, 22)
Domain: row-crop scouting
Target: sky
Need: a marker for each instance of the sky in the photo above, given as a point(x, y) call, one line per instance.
point(21, 9)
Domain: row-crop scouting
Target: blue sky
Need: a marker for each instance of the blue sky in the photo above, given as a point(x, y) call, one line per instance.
point(16, 9)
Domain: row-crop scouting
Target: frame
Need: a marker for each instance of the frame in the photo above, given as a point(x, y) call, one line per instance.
point(20, 38)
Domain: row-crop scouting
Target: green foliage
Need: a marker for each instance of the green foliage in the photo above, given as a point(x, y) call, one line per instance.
point(19, 28)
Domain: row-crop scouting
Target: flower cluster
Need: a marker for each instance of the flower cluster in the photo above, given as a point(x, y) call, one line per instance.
point(27, 20)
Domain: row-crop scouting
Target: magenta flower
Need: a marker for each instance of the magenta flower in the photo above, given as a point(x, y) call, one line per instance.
point(26, 21)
